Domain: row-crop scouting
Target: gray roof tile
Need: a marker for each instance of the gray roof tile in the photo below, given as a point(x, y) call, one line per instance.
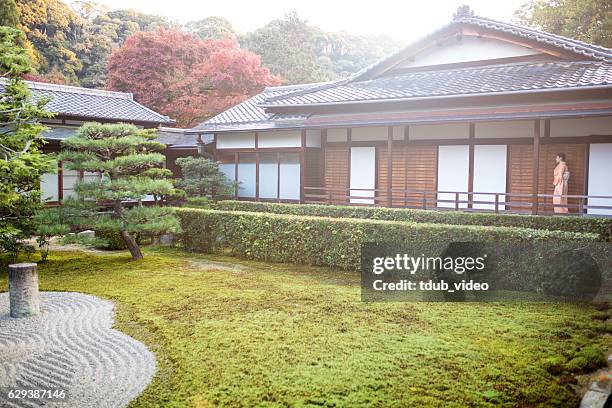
point(92, 103)
point(366, 86)
point(466, 81)
point(250, 114)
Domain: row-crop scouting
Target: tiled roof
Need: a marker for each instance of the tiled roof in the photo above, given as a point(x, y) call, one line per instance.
point(92, 103)
point(178, 139)
point(465, 81)
point(251, 113)
point(579, 47)
point(591, 68)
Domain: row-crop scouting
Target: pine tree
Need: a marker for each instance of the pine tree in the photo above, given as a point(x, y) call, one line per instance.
point(21, 161)
point(203, 178)
point(125, 160)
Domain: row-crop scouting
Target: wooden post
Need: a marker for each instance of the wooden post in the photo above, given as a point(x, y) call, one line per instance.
point(389, 166)
point(278, 199)
point(23, 290)
point(60, 181)
point(470, 195)
point(349, 141)
point(302, 165)
point(536, 167)
point(456, 201)
point(236, 158)
point(256, 176)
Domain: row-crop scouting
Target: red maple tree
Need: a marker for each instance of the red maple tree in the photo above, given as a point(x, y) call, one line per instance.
point(184, 77)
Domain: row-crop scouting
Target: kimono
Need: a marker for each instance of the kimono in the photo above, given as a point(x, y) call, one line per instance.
point(561, 177)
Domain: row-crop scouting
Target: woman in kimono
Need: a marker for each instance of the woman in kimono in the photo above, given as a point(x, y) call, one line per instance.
point(561, 178)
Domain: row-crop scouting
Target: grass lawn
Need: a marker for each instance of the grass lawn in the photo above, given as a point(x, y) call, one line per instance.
point(245, 333)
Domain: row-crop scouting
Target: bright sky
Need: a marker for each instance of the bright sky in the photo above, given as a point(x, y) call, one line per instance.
point(404, 20)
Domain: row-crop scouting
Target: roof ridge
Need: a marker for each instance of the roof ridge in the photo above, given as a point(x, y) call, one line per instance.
point(537, 31)
point(486, 67)
point(43, 86)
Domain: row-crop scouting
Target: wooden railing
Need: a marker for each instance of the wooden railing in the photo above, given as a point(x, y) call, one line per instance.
point(455, 200)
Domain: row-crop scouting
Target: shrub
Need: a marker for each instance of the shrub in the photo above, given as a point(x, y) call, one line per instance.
point(601, 226)
point(110, 240)
point(198, 202)
point(334, 242)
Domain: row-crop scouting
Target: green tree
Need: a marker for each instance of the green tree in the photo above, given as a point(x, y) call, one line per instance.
point(289, 48)
point(213, 28)
point(203, 178)
point(301, 53)
point(123, 157)
point(21, 161)
point(53, 29)
point(586, 20)
point(9, 15)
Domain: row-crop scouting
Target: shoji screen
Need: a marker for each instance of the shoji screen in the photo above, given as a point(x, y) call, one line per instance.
point(453, 164)
point(489, 174)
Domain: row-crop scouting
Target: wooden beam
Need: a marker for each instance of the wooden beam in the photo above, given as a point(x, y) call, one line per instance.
point(535, 166)
point(389, 165)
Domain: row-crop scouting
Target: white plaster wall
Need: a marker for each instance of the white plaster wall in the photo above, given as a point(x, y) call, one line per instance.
point(467, 49)
point(453, 169)
point(600, 177)
point(507, 129)
point(336, 135)
point(285, 138)
point(363, 173)
point(398, 133)
point(313, 138)
point(489, 174)
point(365, 134)
point(446, 131)
point(235, 140)
point(581, 127)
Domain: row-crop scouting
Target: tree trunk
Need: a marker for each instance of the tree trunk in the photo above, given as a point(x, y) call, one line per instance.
point(132, 246)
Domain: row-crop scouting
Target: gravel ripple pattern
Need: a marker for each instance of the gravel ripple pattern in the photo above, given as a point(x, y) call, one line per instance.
point(71, 345)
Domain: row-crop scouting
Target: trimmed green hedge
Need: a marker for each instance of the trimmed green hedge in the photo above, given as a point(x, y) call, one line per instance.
point(334, 242)
point(598, 225)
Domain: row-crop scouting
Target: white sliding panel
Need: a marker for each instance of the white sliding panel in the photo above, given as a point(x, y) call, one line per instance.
point(246, 175)
point(49, 187)
point(268, 175)
point(600, 180)
point(453, 165)
point(229, 169)
point(69, 180)
point(489, 174)
point(363, 174)
point(290, 176)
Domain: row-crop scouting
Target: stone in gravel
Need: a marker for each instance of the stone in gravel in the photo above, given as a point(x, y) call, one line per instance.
point(87, 234)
